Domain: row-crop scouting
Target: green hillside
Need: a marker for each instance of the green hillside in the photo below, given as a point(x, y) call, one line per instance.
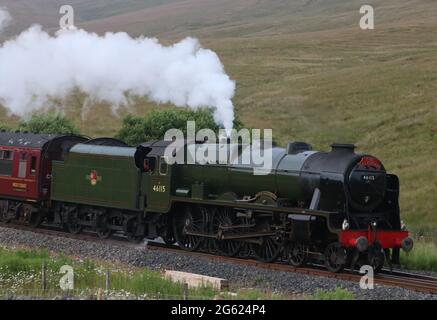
point(305, 69)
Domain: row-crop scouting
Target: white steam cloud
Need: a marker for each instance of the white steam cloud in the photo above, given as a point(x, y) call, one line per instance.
point(36, 66)
point(5, 18)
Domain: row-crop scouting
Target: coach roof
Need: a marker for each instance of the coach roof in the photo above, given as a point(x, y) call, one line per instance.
point(24, 139)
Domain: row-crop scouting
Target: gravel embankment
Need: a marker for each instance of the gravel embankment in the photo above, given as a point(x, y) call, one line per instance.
point(238, 275)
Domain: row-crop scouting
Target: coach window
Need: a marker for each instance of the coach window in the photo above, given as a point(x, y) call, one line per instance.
point(32, 166)
point(8, 155)
point(163, 166)
point(6, 163)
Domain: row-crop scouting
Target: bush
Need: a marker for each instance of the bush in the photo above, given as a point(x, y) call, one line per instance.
point(5, 127)
point(136, 130)
point(49, 123)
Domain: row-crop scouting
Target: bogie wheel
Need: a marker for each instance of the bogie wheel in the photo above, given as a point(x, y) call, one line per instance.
point(72, 224)
point(269, 249)
point(169, 239)
point(297, 255)
point(131, 230)
point(102, 225)
point(335, 257)
point(191, 220)
point(74, 227)
point(134, 239)
point(35, 219)
point(245, 250)
point(31, 216)
point(224, 217)
point(104, 233)
point(4, 209)
point(166, 233)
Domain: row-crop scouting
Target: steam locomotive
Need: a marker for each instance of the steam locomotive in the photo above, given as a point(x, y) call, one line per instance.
point(338, 208)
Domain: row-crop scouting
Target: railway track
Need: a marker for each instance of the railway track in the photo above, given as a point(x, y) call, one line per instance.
point(396, 278)
point(406, 280)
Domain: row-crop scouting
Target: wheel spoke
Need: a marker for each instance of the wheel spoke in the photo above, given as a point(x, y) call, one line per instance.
point(297, 254)
point(268, 251)
point(224, 218)
point(335, 257)
point(190, 221)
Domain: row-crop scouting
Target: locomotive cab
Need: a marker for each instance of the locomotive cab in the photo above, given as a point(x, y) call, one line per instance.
point(156, 176)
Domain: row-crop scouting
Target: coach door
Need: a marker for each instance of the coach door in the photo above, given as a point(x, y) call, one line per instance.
point(25, 176)
point(159, 186)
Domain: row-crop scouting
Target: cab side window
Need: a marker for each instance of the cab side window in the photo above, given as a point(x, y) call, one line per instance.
point(149, 165)
point(163, 166)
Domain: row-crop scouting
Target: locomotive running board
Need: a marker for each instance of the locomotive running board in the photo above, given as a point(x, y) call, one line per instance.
point(255, 206)
point(231, 237)
point(260, 208)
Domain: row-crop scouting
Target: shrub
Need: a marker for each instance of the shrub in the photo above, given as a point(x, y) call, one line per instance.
point(49, 123)
point(153, 126)
point(5, 127)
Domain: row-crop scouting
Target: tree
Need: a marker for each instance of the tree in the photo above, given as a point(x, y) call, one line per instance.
point(154, 125)
point(49, 123)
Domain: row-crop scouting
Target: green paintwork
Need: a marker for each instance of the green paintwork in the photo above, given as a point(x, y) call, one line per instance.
point(217, 179)
point(117, 184)
point(156, 188)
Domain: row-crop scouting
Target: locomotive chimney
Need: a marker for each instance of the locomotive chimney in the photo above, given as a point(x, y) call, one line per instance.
point(345, 147)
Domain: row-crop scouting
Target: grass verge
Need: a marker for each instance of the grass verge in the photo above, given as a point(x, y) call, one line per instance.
point(21, 275)
point(337, 294)
point(422, 257)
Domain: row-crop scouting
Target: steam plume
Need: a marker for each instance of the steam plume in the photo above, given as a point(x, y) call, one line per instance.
point(35, 66)
point(5, 18)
